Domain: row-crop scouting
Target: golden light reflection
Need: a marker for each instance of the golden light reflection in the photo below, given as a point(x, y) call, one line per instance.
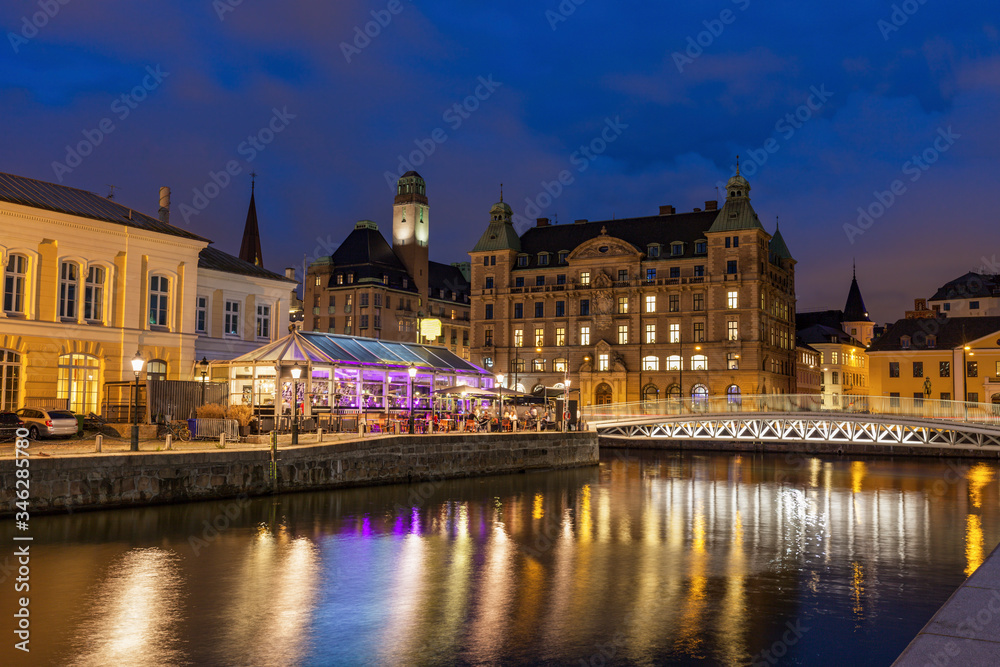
point(815, 466)
point(858, 590)
point(585, 524)
point(538, 508)
point(135, 613)
point(488, 629)
point(858, 472)
point(979, 476)
point(690, 632)
point(732, 620)
point(401, 633)
point(973, 543)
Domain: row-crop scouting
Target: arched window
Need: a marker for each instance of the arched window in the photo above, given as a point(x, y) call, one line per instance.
point(78, 381)
point(13, 283)
point(733, 394)
point(674, 391)
point(699, 393)
point(10, 380)
point(699, 362)
point(650, 392)
point(69, 286)
point(674, 362)
point(156, 369)
point(560, 365)
point(602, 395)
point(651, 363)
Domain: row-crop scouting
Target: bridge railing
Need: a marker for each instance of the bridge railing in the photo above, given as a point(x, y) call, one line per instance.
point(922, 408)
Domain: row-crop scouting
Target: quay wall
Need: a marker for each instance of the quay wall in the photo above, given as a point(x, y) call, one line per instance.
point(96, 481)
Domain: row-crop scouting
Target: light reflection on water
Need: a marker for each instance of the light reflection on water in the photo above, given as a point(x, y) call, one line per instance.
point(651, 558)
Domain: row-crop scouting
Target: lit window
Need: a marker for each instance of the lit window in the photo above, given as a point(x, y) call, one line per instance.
point(584, 335)
point(650, 363)
point(77, 381)
point(560, 365)
point(733, 329)
point(560, 335)
point(318, 281)
point(585, 277)
point(650, 333)
point(603, 362)
point(518, 338)
point(674, 362)
point(539, 337)
point(622, 305)
point(733, 299)
point(651, 303)
point(699, 362)
point(538, 365)
point(622, 334)
point(732, 361)
point(699, 332)
point(675, 333)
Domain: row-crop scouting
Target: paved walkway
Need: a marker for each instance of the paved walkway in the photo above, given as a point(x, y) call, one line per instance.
point(966, 630)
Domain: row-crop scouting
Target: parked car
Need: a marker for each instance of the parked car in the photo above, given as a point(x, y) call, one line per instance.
point(9, 423)
point(48, 423)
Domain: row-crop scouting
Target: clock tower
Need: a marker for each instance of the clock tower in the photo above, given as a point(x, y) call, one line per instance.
point(411, 229)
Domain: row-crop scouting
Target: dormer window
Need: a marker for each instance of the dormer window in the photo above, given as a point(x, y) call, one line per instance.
point(543, 259)
point(522, 260)
point(563, 256)
point(653, 250)
point(904, 342)
point(701, 247)
point(931, 340)
point(677, 248)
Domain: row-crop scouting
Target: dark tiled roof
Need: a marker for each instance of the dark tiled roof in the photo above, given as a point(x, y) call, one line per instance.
point(830, 318)
point(64, 199)
point(640, 232)
point(951, 332)
point(448, 278)
point(854, 309)
point(366, 254)
point(804, 345)
point(971, 285)
point(778, 247)
point(215, 259)
point(820, 333)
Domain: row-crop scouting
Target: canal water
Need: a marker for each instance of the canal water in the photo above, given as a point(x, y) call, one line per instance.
point(650, 558)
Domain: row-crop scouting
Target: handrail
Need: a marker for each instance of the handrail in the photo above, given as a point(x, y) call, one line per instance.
point(924, 408)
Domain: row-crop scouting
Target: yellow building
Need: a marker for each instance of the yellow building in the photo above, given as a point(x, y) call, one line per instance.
point(88, 282)
point(925, 358)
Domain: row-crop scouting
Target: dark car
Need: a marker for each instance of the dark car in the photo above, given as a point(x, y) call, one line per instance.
point(9, 423)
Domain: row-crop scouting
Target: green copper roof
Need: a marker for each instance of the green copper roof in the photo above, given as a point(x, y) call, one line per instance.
point(778, 247)
point(500, 234)
point(736, 215)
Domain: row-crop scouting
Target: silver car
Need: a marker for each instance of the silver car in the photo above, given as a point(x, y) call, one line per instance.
point(48, 423)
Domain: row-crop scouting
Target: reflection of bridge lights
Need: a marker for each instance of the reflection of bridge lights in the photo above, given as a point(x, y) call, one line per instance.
point(979, 476)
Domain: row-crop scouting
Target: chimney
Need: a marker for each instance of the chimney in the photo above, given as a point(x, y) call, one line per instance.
point(581, 221)
point(165, 205)
point(290, 273)
point(667, 210)
point(697, 210)
point(712, 205)
point(541, 222)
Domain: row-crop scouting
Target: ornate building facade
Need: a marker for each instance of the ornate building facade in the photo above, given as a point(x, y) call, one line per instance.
point(369, 288)
point(678, 304)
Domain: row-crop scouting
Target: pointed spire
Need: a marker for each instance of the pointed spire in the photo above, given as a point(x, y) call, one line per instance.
point(501, 193)
point(738, 166)
point(250, 247)
point(854, 268)
point(854, 309)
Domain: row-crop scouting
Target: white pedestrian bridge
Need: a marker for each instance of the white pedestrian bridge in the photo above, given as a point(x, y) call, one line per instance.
point(797, 418)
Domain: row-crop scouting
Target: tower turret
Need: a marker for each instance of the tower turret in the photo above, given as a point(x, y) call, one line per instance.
point(411, 229)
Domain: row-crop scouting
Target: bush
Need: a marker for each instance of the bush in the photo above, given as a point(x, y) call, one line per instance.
point(211, 411)
point(241, 413)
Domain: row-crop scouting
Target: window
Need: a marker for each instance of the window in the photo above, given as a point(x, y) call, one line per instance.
point(700, 248)
point(538, 365)
point(650, 274)
point(973, 305)
point(674, 303)
point(332, 304)
point(543, 259)
point(560, 309)
point(517, 366)
point(622, 275)
point(263, 321)
point(650, 363)
point(69, 282)
point(674, 362)
point(972, 397)
point(539, 309)
point(560, 365)
point(93, 295)
point(159, 290)
point(364, 322)
point(489, 282)
point(522, 260)
point(518, 338)
point(539, 337)
point(518, 311)
point(699, 332)
point(347, 325)
point(894, 369)
point(945, 395)
point(904, 342)
point(729, 241)
point(350, 278)
point(488, 337)
point(560, 335)
point(894, 399)
point(486, 260)
point(560, 279)
point(622, 305)
point(835, 377)
point(947, 306)
point(675, 272)
point(653, 250)
point(733, 330)
point(699, 362)
point(156, 369)
point(603, 362)
point(489, 311)
point(584, 335)
point(675, 333)
point(10, 380)
point(493, 260)
point(732, 361)
point(585, 277)
point(676, 249)
point(733, 299)
point(623, 334)
point(539, 281)
point(584, 307)
point(699, 302)
point(232, 321)
point(699, 271)
point(650, 333)
point(340, 279)
point(519, 281)
point(834, 358)
point(918, 369)
point(78, 380)
point(563, 255)
point(731, 267)
point(385, 279)
point(736, 241)
point(201, 314)
point(363, 299)
point(972, 369)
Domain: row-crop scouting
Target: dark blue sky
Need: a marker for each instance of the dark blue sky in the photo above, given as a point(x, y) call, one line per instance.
point(686, 87)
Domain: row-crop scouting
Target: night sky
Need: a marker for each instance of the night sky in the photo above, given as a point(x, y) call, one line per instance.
point(676, 90)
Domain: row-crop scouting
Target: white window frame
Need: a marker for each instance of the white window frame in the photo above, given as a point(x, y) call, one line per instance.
point(675, 333)
point(93, 293)
point(69, 290)
point(201, 308)
point(17, 279)
point(227, 319)
point(623, 334)
point(585, 335)
point(650, 334)
point(162, 299)
point(733, 299)
point(263, 317)
point(651, 303)
point(650, 363)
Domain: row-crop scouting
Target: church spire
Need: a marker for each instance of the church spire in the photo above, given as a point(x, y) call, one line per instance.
point(854, 309)
point(250, 248)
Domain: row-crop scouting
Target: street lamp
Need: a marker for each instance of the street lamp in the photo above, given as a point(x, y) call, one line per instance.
point(965, 380)
point(500, 385)
point(296, 374)
point(566, 402)
point(203, 365)
point(412, 370)
point(136, 368)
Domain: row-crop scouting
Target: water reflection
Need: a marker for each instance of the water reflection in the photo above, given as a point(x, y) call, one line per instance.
point(650, 558)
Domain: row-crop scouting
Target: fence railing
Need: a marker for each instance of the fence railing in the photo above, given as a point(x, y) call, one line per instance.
point(922, 408)
point(211, 429)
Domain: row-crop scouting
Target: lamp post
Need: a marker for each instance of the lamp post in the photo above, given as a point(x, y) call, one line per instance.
point(566, 402)
point(965, 380)
point(296, 374)
point(412, 371)
point(203, 365)
point(136, 368)
point(500, 379)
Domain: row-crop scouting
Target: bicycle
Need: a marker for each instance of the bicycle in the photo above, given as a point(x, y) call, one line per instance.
point(179, 430)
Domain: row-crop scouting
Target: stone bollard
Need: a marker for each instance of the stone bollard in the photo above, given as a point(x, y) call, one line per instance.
point(170, 442)
point(98, 443)
point(319, 435)
point(222, 440)
point(361, 428)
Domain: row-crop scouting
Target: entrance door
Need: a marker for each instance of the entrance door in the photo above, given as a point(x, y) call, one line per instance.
point(602, 395)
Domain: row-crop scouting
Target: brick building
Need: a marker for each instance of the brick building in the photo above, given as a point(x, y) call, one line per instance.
point(692, 304)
